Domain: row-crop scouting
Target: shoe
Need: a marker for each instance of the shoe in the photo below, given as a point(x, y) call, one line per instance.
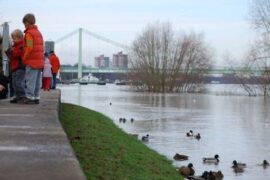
point(36, 101)
point(27, 101)
point(20, 100)
point(14, 100)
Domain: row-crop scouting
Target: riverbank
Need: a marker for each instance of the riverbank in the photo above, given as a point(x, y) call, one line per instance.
point(33, 144)
point(106, 152)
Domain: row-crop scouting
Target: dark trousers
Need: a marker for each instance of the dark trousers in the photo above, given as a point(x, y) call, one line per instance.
point(11, 89)
point(18, 82)
point(54, 81)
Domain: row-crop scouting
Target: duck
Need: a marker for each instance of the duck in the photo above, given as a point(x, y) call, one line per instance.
point(265, 164)
point(187, 170)
point(216, 175)
point(211, 175)
point(180, 157)
point(198, 136)
point(204, 176)
point(190, 133)
point(238, 167)
point(131, 120)
point(120, 119)
point(145, 138)
point(235, 163)
point(214, 159)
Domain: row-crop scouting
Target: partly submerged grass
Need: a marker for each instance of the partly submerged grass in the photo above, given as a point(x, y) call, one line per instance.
point(106, 152)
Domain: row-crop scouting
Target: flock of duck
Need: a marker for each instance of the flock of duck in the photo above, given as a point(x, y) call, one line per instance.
point(124, 120)
point(190, 134)
point(189, 172)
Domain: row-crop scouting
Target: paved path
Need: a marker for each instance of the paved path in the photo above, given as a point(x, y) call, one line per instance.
point(33, 145)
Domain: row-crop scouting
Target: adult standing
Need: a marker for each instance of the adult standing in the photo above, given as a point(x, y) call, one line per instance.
point(33, 58)
point(54, 60)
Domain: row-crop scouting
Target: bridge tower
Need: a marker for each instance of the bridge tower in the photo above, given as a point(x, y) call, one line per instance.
point(80, 55)
point(5, 45)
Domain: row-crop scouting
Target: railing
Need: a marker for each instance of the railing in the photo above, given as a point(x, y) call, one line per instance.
point(239, 70)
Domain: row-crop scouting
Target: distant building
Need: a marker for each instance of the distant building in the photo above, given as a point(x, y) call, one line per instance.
point(120, 60)
point(102, 61)
point(49, 46)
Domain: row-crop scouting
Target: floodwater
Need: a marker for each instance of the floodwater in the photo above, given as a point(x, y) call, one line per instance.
point(234, 127)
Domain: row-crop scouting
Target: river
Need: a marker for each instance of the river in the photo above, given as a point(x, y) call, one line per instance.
point(234, 127)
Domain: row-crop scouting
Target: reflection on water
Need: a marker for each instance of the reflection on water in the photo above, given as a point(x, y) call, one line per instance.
point(235, 127)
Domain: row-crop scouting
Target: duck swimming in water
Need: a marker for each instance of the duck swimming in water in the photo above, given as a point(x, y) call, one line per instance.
point(238, 167)
point(180, 157)
point(145, 138)
point(190, 133)
point(187, 170)
point(216, 175)
point(235, 163)
point(214, 159)
point(208, 175)
point(265, 164)
point(198, 136)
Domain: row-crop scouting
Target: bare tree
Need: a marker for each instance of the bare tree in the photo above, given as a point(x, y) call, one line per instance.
point(242, 76)
point(164, 62)
point(260, 15)
point(259, 55)
point(258, 62)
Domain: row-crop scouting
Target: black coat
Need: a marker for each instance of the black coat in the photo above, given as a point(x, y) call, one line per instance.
point(4, 82)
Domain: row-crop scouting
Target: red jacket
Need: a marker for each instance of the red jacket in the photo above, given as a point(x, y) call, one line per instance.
point(15, 55)
point(36, 58)
point(55, 63)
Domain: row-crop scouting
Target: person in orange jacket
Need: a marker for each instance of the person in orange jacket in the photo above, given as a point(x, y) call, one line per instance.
point(33, 58)
point(16, 65)
point(55, 67)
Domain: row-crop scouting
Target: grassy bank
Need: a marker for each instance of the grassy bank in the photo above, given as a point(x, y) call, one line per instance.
point(106, 152)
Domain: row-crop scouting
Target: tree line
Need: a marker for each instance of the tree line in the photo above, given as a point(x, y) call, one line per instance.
point(163, 60)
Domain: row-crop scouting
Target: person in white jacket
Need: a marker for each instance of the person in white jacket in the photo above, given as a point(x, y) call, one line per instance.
point(47, 74)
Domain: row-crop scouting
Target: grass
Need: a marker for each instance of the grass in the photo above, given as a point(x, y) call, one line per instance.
point(106, 152)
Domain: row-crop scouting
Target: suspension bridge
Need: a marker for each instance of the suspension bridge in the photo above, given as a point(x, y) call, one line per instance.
point(87, 45)
point(82, 46)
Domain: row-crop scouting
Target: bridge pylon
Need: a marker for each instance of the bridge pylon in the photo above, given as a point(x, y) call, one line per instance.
point(80, 55)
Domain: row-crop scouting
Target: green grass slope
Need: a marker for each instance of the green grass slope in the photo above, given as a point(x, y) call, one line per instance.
point(106, 152)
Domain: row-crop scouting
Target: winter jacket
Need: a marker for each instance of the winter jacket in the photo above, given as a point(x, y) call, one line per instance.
point(34, 58)
point(15, 55)
point(55, 63)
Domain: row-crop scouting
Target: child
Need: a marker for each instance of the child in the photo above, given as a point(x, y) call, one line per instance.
point(17, 68)
point(47, 74)
point(33, 58)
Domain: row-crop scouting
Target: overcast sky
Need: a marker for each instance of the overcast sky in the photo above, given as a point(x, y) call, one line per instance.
point(224, 22)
